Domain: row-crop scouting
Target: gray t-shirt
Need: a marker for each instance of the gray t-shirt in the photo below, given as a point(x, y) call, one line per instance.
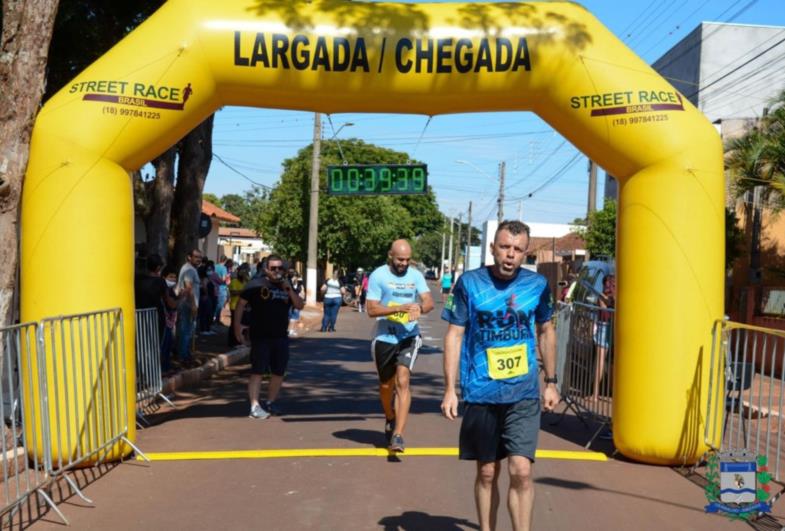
point(188, 272)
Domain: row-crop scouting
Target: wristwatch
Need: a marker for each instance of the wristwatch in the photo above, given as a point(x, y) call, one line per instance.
point(553, 380)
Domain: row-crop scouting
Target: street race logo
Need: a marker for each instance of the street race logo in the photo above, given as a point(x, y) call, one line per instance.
point(133, 100)
point(738, 484)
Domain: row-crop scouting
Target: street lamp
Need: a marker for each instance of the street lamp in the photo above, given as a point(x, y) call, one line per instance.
point(347, 124)
point(467, 163)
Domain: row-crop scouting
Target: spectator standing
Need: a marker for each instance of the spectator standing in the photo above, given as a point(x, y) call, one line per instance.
point(151, 291)
point(150, 288)
point(294, 313)
point(236, 287)
point(333, 295)
point(603, 331)
point(223, 278)
point(361, 289)
point(170, 318)
point(188, 289)
point(446, 285)
point(206, 294)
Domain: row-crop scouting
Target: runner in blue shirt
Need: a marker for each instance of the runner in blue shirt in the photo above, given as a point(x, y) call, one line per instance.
point(499, 316)
point(392, 300)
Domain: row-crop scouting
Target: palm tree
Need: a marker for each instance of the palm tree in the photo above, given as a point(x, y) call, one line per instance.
point(757, 158)
point(756, 163)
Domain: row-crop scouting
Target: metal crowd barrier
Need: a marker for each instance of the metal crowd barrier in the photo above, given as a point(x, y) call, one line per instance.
point(585, 362)
point(748, 365)
point(562, 318)
point(83, 395)
point(24, 473)
point(149, 381)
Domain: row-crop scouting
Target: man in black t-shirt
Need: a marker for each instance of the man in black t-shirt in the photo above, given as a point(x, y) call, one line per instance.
point(150, 289)
point(270, 297)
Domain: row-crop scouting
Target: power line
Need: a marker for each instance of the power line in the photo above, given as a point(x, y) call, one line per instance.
point(241, 174)
point(742, 65)
point(676, 28)
point(639, 17)
point(702, 40)
point(553, 178)
point(652, 23)
point(539, 166)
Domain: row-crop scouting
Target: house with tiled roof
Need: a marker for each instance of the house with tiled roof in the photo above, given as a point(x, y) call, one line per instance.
point(218, 218)
point(242, 245)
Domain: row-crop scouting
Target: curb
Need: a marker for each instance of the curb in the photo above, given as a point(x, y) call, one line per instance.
point(193, 376)
point(311, 318)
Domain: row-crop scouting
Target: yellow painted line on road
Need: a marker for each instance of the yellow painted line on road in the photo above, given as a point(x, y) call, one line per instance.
point(350, 452)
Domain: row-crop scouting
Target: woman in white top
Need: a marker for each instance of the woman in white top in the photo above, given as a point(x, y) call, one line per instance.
point(333, 295)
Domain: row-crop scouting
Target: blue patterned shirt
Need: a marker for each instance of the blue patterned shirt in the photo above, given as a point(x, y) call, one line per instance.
point(499, 351)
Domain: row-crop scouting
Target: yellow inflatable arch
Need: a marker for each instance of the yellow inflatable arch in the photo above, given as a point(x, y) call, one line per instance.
point(555, 59)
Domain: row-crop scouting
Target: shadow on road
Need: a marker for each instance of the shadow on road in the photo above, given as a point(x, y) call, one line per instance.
point(327, 379)
point(419, 521)
point(369, 437)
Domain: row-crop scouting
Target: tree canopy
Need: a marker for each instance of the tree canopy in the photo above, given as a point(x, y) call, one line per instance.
point(248, 206)
point(600, 234)
point(353, 231)
point(85, 30)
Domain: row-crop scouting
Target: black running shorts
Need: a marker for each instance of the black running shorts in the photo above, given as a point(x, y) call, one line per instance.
point(491, 432)
point(387, 356)
point(269, 355)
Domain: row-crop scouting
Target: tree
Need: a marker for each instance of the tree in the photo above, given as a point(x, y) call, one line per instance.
point(86, 29)
point(214, 199)
point(427, 249)
point(248, 207)
point(353, 231)
point(734, 237)
point(24, 44)
point(161, 196)
point(757, 158)
point(600, 234)
point(196, 153)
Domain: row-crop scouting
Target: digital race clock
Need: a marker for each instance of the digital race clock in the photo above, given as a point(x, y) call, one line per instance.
point(377, 179)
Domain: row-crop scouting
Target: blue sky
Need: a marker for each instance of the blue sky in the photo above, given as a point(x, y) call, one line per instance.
point(254, 142)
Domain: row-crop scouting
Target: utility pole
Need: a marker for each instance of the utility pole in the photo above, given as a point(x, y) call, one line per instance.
point(444, 239)
point(458, 242)
point(500, 200)
point(313, 223)
point(468, 238)
point(592, 205)
point(449, 248)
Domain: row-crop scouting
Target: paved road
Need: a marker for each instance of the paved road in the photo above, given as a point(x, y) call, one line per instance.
point(330, 402)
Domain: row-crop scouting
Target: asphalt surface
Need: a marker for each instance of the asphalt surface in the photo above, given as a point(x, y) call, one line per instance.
point(330, 403)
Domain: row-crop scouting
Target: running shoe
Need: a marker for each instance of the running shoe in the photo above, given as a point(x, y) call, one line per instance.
point(389, 426)
point(272, 409)
point(396, 443)
point(258, 412)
